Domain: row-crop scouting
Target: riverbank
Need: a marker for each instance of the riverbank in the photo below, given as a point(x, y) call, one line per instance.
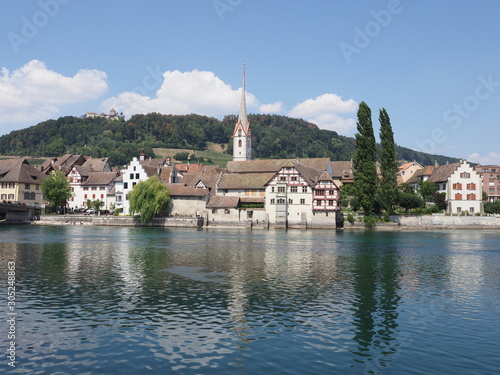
point(397, 222)
point(432, 222)
point(180, 222)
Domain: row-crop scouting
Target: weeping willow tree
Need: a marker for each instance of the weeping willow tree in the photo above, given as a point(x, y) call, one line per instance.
point(149, 198)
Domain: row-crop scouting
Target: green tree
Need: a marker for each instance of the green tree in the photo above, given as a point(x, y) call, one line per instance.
point(427, 189)
point(148, 198)
point(388, 164)
point(440, 201)
point(95, 204)
point(56, 189)
point(409, 201)
point(365, 171)
point(492, 207)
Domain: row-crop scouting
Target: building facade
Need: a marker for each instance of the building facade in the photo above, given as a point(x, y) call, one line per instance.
point(491, 180)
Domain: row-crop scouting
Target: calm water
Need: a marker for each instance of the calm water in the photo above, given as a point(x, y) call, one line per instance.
point(94, 300)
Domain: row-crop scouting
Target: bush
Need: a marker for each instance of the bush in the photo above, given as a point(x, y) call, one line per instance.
point(370, 221)
point(181, 156)
point(350, 218)
point(355, 204)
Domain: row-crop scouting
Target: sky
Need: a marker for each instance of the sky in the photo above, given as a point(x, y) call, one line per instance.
point(433, 65)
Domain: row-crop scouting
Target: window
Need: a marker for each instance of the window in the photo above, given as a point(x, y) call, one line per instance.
point(290, 201)
point(331, 202)
point(37, 187)
point(465, 175)
point(304, 189)
point(131, 176)
point(93, 196)
point(102, 188)
point(93, 188)
point(214, 210)
point(493, 170)
point(471, 210)
point(29, 196)
point(27, 186)
point(240, 143)
point(458, 197)
point(281, 201)
point(137, 176)
point(11, 196)
point(331, 192)
point(302, 201)
point(293, 189)
point(319, 192)
point(272, 201)
point(102, 196)
point(135, 169)
point(85, 196)
point(281, 189)
point(457, 186)
point(471, 197)
point(283, 178)
point(72, 189)
point(294, 178)
point(226, 211)
point(459, 209)
point(125, 185)
point(85, 188)
point(272, 189)
point(471, 186)
point(4, 196)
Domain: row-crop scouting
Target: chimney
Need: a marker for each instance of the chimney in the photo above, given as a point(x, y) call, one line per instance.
point(168, 161)
point(142, 156)
point(436, 164)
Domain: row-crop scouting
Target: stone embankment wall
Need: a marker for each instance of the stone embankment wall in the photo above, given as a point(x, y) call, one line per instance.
point(181, 222)
point(441, 221)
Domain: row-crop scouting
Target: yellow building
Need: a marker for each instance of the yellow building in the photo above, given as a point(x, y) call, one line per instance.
point(20, 182)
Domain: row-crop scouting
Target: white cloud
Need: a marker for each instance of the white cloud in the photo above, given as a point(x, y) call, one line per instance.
point(204, 93)
point(324, 111)
point(34, 93)
point(491, 158)
point(199, 92)
point(277, 108)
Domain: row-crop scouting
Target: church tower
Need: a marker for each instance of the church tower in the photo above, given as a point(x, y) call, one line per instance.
point(242, 137)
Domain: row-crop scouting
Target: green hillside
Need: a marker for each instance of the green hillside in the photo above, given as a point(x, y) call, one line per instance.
point(273, 137)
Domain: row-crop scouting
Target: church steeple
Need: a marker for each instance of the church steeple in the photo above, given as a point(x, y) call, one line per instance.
point(242, 140)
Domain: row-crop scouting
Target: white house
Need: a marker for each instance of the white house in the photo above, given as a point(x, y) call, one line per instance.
point(464, 190)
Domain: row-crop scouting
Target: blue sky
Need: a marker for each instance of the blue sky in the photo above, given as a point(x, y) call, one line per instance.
point(432, 65)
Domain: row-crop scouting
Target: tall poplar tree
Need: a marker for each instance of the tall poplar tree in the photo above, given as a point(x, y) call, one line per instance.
point(388, 164)
point(365, 170)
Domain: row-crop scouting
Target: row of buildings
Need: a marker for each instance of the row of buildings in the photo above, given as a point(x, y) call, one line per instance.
point(279, 191)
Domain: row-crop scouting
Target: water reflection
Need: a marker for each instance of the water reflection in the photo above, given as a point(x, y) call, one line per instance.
point(108, 300)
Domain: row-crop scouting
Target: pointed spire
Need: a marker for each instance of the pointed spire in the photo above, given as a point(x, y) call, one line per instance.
point(242, 118)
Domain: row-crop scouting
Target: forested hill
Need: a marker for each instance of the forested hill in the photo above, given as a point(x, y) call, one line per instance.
point(273, 137)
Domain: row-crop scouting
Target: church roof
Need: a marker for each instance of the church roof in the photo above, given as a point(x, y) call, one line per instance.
point(242, 117)
point(245, 180)
point(274, 165)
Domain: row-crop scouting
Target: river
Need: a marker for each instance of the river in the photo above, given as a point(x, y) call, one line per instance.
point(125, 300)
